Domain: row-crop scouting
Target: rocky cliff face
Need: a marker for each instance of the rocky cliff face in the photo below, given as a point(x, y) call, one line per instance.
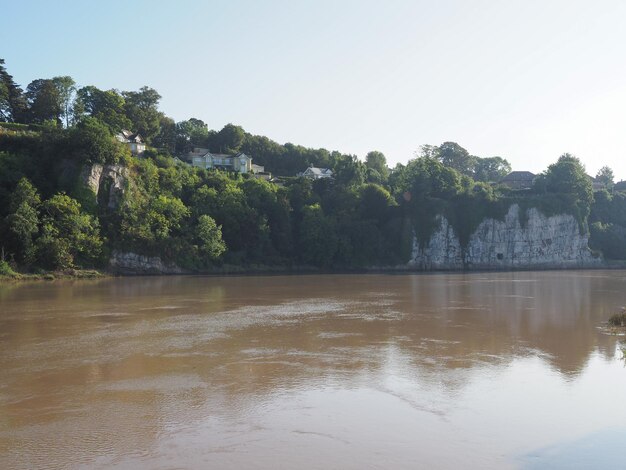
point(132, 263)
point(106, 181)
point(544, 242)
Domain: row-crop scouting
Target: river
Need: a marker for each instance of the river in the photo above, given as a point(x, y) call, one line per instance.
point(480, 370)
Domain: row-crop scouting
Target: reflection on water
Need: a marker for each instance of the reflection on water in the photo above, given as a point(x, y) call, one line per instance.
point(597, 450)
point(364, 371)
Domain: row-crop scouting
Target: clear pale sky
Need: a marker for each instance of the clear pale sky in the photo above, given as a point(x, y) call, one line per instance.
point(527, 80)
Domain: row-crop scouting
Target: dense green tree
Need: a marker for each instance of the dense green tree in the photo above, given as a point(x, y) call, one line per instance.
point(429, 151)
point(225, 201)
point(337, 200)
point(374, 202)
point(68, 236)
point(106, 106)
point(427, 177)
point(165, 215)
point(568, 179)
point(23, 220)
point(5, 106)
point(266, 152)
point(141, 108)
point(618, 209)
point(24, 193)
point(609, 239)
point(287, 159)
point(92, 142)
point(149, 221)
point(44, 101)
point(170, 180)
point(454, 156)
point(272, 208)
point(605, 175)
point(609, 208)
point(229, 139)
point(13, 105)
point(318, 239)
point(66, 88)
point(608, 224)
point(395, 175)
point(166, 138)
point(209, 236)
point(191, 133)
point(602, 210)
point(300, 194)
point(376, 161)
point(568, 175)
point(491, 169)
point(349, 171)
point(424, 188)
point(372, 176)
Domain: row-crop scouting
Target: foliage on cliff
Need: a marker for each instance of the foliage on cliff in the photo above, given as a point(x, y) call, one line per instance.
point(199, 218)
point(608, 224)
point(367, 215)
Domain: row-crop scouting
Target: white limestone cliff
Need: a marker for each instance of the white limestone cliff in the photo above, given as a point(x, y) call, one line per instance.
point(543, 242)
point(133, 263)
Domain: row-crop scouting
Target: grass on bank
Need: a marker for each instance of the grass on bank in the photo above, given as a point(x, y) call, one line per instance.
point(7, 273)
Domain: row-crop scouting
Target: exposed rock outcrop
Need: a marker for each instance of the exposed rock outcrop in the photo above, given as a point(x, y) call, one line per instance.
point(132, 263)
point(108, 182)
point(90, 176)
point(543, 242)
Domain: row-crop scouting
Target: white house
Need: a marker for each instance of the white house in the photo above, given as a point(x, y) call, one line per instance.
point(241, 163)
point(316, 173)
point(257, 169)
point(133, 141)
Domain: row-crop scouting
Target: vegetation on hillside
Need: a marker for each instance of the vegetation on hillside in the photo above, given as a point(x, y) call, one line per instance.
point(53, 132)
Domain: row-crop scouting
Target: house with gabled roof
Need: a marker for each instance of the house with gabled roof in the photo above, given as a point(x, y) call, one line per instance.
point(519, 180)
point(240, 163)
point(316, 173)
point(133, 140)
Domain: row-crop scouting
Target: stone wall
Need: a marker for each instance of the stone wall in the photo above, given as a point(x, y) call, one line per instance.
point(543, 242)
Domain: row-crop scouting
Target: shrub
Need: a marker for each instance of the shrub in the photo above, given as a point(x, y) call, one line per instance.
point(6, 270)
point(618, 319)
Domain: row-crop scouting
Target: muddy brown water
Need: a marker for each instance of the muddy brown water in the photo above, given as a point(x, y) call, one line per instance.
point(496, 370)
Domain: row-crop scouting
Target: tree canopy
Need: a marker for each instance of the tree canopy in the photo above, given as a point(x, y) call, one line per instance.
point(366, 215)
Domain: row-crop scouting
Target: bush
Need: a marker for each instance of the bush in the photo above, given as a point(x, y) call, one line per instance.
point(92, 142)
point(6, 270)
point(610, 239)
point(618, 319)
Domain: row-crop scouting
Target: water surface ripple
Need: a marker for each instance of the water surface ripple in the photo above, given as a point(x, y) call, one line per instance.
point(481, 370)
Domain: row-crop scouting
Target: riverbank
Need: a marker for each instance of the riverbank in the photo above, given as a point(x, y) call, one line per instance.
point(9, 275)
point(13, 276)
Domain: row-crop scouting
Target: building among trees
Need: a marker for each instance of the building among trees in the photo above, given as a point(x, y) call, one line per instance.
point(315, 173)
point(133, 141)
point(519, 180)
point(203, 158)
